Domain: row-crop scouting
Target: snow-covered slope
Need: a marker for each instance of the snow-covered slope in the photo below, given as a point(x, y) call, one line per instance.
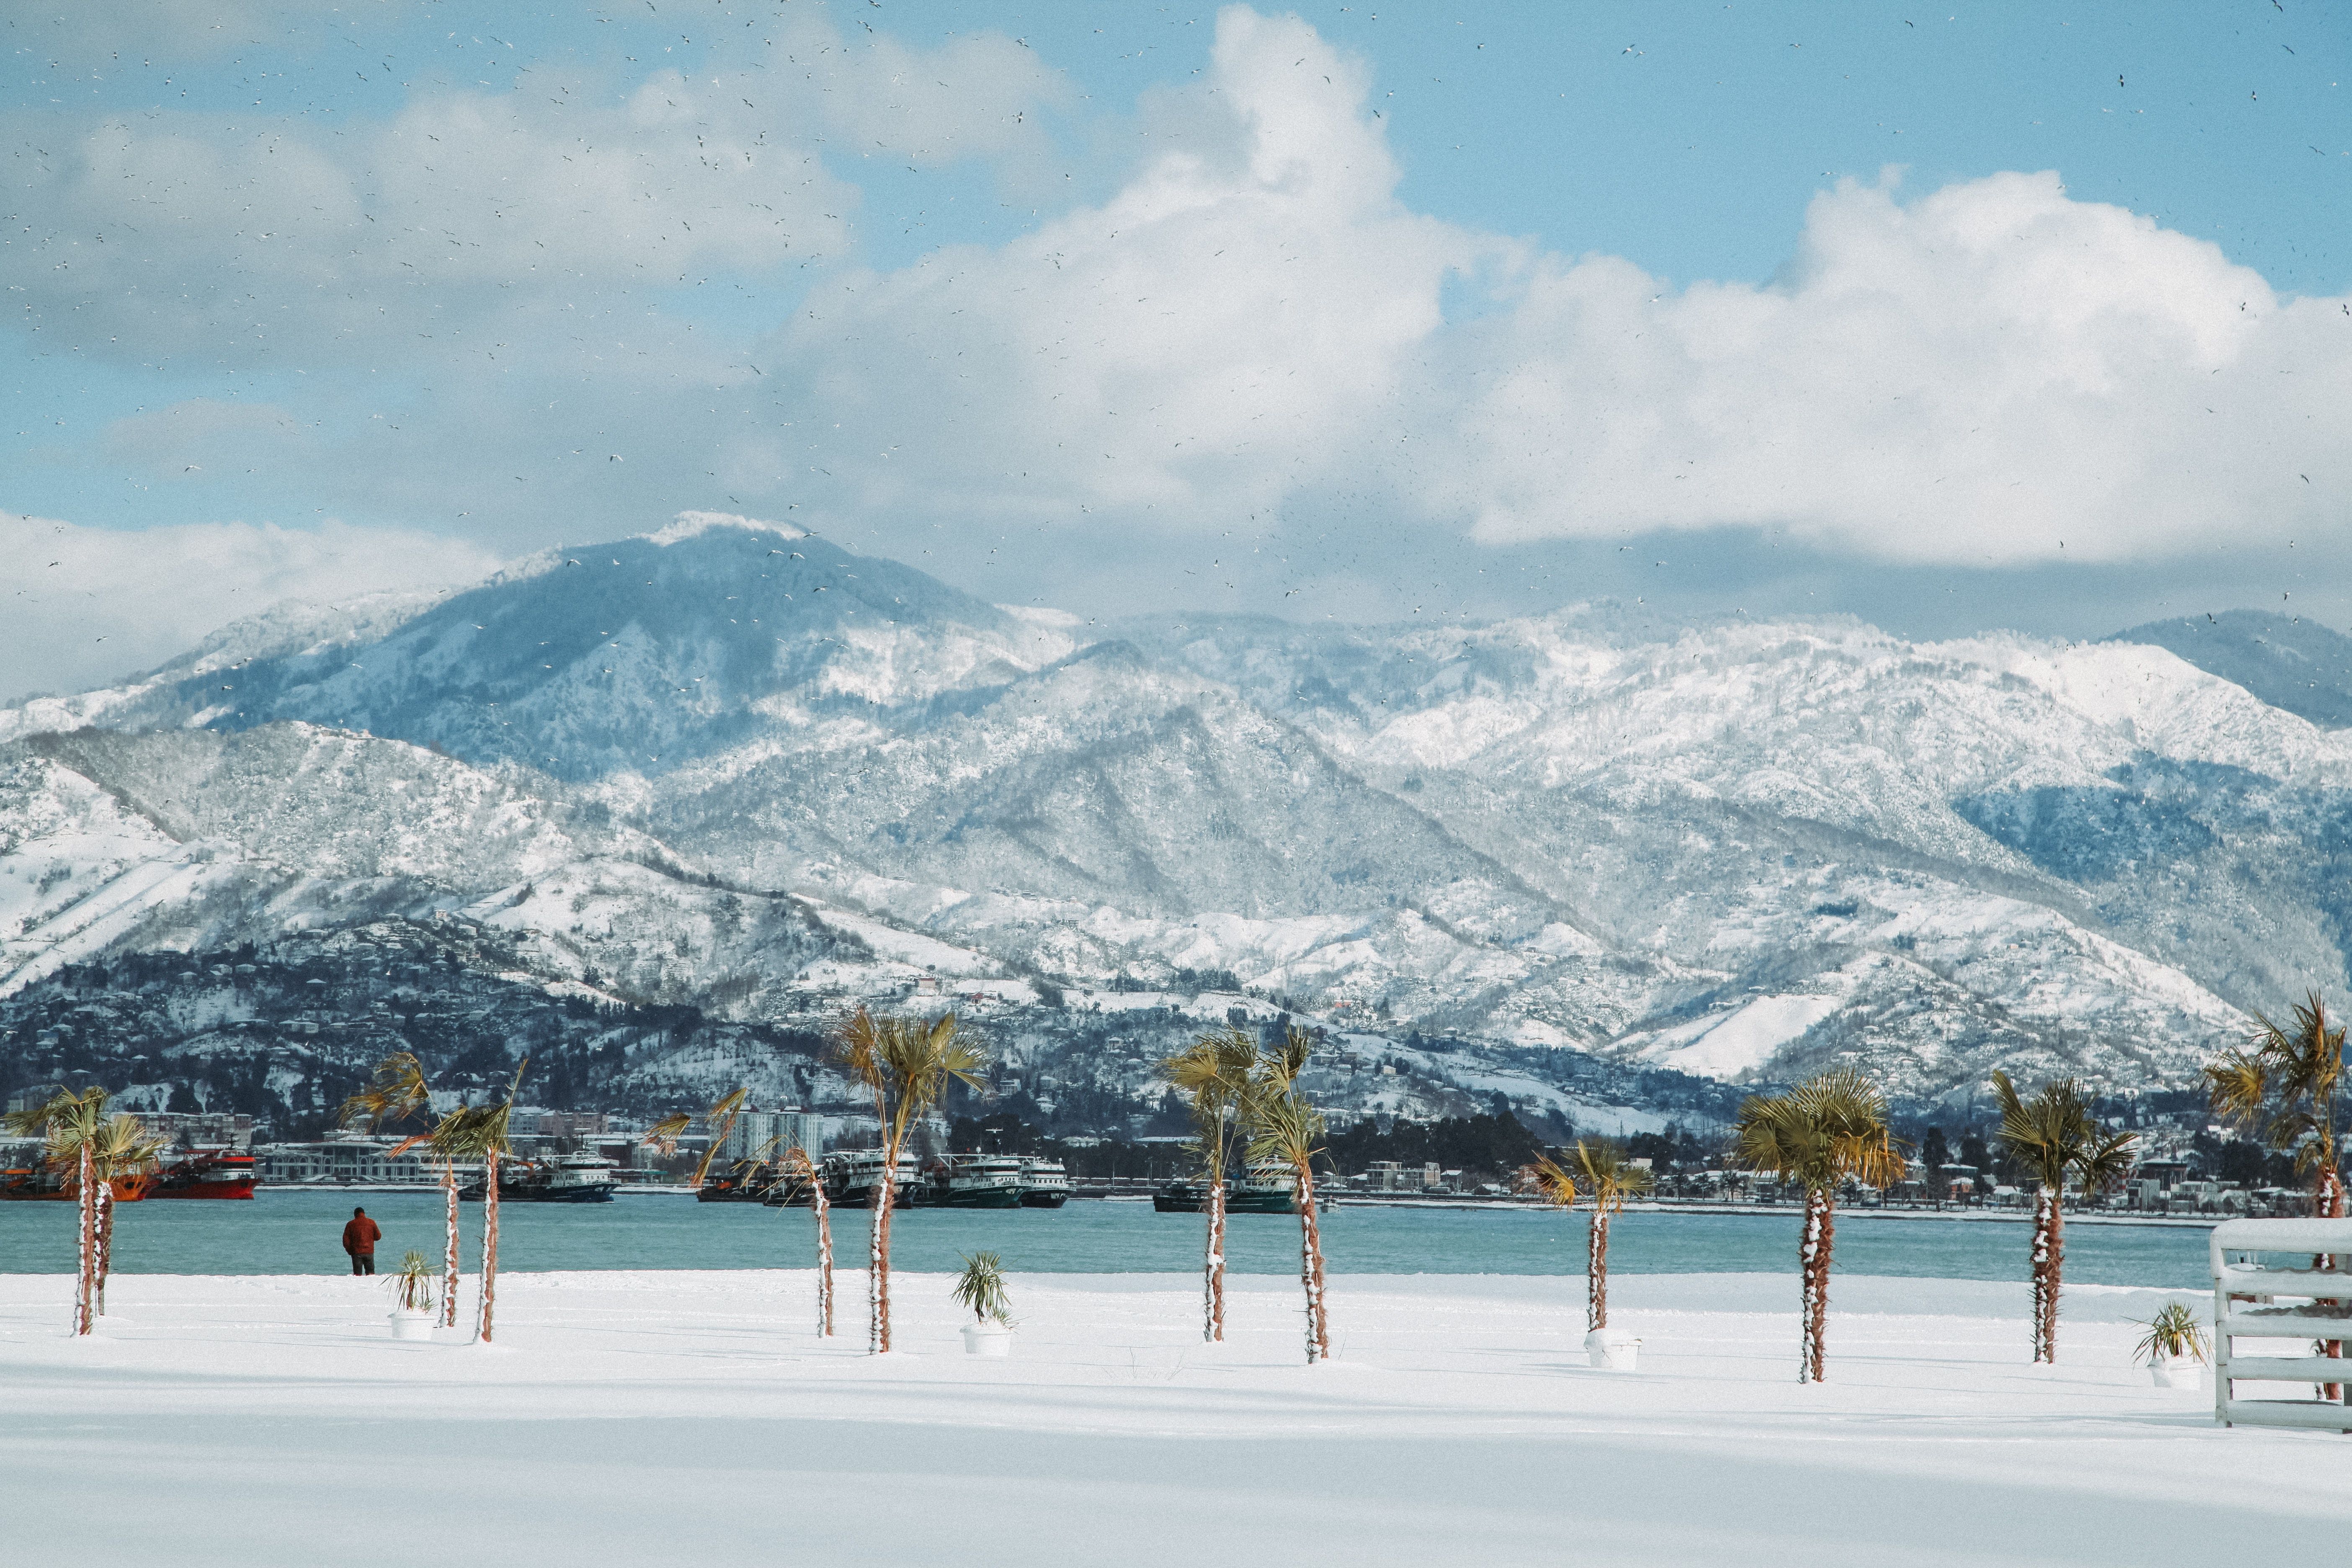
point(1742, 849)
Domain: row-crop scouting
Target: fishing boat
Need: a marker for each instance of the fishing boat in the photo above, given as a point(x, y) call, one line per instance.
point(748, 1182)
point(1044, 1185)
point(1266, 1190)
point(573, 1179)
point(852, 1174)
point(206, 1173)
point(975, 1182)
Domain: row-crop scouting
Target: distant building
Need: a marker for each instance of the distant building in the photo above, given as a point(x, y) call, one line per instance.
point(201, 1129)
point(755, 1130)
point(343, 1157)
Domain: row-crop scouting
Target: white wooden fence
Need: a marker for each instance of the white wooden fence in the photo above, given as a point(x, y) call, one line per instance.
point(2260, 1295)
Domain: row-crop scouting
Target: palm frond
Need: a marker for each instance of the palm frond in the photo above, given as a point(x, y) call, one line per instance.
point(1554, 1182)
point(1826, 1129)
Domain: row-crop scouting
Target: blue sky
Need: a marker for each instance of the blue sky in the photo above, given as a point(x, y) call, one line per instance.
point(1350, 310)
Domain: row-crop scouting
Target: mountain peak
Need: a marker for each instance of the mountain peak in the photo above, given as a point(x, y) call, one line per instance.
point(2290, 662)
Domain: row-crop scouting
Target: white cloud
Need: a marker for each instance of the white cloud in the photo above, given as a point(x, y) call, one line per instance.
point(1255, 320)
point(83, 605)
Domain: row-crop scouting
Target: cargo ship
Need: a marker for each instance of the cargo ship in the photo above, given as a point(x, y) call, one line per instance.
point(21, 1183)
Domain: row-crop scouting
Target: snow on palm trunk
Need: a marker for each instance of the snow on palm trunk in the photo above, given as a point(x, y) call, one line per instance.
point(86, 1196)
point(824, 1207)
point(1819, 1234)
point(1212, 1283)
point(104, 1198)
point(2049, 1268)
point(1310, 1267)
point(449, 1255)
point(489, 1241)
point(1596, 1272)
point(881, 1197)
point(2327, 1203)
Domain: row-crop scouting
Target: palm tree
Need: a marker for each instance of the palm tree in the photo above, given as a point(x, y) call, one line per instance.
point(906, 1065)
point(1284, 1126)
point(1829, 1129)
point(398, 1091)
point(2284, 1085)
point(121, 1151)
point(1212, 1072)
point(68, 1122)
point(800, 1169)
point(1611, 1178)
point(482, 1132)
point(720, 1119)
point(2051, 1135)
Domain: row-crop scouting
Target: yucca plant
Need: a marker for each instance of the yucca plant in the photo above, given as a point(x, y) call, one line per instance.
point(398, 1091)
point(483, 1132)
point(1828, 1130)
point(67, 1123)
point(980, 1288)
point(906, 1065)
point(2051, 1136)
point(1212, 1073)
point(2174, 1333)
point(411, 1282)
point(1284, 1129)
point(1611, 1178)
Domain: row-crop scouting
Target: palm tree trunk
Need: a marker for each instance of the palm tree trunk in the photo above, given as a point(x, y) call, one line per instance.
point(881, 1197)
point(490, 1242)
point(1311, 1269)
point(105, 1240)
point(1212, 1280)
point(1596, 1272)
point(86, 1197)
point(449, 1255)
point(2328, 1203)
point(2049, 1272)
point(822, 1206)
point(1819, 1234)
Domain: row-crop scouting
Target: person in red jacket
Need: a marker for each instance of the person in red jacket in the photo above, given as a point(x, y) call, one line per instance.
point(360, 1236)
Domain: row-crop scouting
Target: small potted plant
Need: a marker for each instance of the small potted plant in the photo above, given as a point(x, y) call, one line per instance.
point(412, 1295)
point(980, 1289)
point(2174, 1348)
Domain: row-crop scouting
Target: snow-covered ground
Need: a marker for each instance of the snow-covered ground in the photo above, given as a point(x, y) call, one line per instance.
point(676, 1418)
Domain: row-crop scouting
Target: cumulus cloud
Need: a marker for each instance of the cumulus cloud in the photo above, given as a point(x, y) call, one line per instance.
point(1991, 375)
point(84, 605)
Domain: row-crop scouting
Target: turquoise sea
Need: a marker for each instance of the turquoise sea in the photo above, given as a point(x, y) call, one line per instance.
point(290, 1232)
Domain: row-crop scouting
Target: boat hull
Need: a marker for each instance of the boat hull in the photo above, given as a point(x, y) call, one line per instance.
point(1000, 1198)
point(1045, 1200)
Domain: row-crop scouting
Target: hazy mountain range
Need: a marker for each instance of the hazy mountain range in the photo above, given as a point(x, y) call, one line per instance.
point(1586, 861)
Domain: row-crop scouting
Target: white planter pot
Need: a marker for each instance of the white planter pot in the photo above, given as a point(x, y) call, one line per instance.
point(1613, 1349)
point(987, 1338)
point(412, 1325)
point(2177, 1372)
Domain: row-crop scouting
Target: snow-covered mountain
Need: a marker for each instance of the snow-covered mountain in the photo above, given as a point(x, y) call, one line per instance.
point(731, 765)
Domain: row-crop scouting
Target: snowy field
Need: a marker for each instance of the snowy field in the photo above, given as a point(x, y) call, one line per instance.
point(675, 1418)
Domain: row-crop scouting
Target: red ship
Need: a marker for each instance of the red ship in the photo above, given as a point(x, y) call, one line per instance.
point(204, 1173)
point(20, 1184)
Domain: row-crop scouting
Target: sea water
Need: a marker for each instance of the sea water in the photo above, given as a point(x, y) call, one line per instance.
point(298, 1232)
